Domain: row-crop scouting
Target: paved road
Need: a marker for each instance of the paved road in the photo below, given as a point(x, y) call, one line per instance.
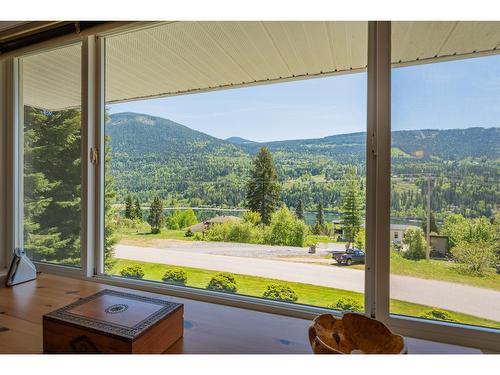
point(480, 302)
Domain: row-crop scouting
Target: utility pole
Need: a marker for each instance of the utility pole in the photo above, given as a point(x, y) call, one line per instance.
point(428, 231)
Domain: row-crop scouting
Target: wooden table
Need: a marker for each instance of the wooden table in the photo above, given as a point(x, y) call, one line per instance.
point(208, 328)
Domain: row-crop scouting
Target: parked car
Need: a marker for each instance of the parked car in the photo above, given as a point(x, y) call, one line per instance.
point(350, 256)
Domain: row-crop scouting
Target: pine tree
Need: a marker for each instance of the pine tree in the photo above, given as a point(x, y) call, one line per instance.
point(109, 195)
point(52, 181)
point(155, 218)
point(319, 226)
point(434, 228)
point(137, 211)
point(263, 189)
point(299, 211)
point(351, 212)
point(129, 209)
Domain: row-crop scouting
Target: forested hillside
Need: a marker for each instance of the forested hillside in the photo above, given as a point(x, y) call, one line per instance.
point(152, 155)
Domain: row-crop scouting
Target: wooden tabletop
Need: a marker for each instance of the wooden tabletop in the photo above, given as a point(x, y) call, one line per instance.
point(208, 328)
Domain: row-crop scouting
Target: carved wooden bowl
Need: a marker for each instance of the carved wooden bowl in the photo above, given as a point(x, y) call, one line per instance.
point(353, 334)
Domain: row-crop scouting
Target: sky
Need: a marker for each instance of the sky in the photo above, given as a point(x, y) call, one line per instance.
point(447, 95)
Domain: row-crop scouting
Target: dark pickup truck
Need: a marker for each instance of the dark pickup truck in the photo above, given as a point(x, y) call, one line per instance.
point(350, 256)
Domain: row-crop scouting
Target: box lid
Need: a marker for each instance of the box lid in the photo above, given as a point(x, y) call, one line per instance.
point(115, 313)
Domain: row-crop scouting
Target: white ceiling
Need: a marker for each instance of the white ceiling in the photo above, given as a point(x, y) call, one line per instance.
point(182, 57)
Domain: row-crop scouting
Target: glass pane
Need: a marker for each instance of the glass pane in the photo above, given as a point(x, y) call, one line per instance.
point(51, 96)
point(262, 183)
point(445, 222)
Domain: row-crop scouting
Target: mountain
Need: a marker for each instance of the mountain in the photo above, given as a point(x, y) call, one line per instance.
point(155, 156)
point(140, 135)
point(239, 141)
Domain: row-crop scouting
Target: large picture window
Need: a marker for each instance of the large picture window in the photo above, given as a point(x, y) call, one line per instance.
point(51, 140)
point(257, 190)
point(445, 223)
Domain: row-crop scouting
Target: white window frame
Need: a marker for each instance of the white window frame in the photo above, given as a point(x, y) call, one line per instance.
point(17, 161)
point(377, 273)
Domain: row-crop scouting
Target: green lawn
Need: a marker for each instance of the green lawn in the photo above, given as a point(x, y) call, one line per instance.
point(308, 294)
point(142, 232)
point(440, 270)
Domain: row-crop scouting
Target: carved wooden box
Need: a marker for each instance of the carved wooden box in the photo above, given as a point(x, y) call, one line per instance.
point(113, 322)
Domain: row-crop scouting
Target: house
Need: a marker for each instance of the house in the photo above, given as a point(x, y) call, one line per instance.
point(439, 245)
point(397, 232)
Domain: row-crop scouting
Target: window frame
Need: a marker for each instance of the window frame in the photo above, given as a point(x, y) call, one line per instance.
point(18, 159)
point(378, 167)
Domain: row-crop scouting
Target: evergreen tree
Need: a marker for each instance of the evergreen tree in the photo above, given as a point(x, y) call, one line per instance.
point(351, 211)
point(155, 218)
point(129, 209)
point(137, 211)
point(263, 189)
point(52, 185)
point(109, 212)
point(434, 228)
point(299, 211)
point(319, 226)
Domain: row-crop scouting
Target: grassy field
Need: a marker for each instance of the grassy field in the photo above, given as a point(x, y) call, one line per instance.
point(141, 234)
point(432, 269)
point(440, 270)
point(308, 294)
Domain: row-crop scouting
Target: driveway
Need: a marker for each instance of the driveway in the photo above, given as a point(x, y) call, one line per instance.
point(479, 302)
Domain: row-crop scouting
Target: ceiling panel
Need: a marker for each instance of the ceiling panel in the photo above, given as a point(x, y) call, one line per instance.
point(181, 57)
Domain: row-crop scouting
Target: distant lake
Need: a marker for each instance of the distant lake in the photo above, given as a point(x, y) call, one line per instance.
point(204, 214)
point(309, 216)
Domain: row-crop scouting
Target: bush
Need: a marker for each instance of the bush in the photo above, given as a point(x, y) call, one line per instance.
point(128, 223)
point(223, 282)
point(437, 314)
point(475, 257)
point(175, 276)
point(235, 231)
point(414, 240)
point(180, 220)
point(347, 304)
point(251, 217)
point(285, 229)
point(280, 293)
point(134, 272)
point(359, 239)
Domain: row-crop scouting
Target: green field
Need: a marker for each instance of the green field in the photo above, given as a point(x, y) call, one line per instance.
point(141, 234)
point(440, 270)
point(308, 294)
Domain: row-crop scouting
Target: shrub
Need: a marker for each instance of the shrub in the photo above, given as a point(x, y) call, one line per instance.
point(280, 293)
point(180, 220)
point(285, 229)
point(359, 239)
point(187, 218)
point(134, 272)
point(223, 282)
point(235, 231)
point(475, 257)
point(347, 304)
point(437, 314)
point(252, 217)
point(414, 240)
point(127, 223)
point(175, 276)
point(172, 221)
